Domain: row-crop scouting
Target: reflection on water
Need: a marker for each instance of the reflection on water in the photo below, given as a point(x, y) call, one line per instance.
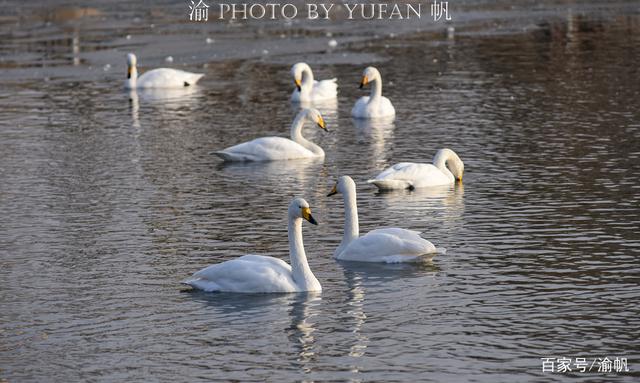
point(377, 134)
point(301, 331)
point(110, 199)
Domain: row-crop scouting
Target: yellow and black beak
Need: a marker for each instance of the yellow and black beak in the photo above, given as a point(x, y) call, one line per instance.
point(129, 72)
point(364, 81)
point(298, 84)
point(306, 214)
point(333, 191)
point(460, 178)
point(321, 123)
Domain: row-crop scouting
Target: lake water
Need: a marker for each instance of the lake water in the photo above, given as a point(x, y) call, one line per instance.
point(109, 199)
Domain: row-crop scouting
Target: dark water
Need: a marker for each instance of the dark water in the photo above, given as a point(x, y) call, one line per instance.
point(108, 200)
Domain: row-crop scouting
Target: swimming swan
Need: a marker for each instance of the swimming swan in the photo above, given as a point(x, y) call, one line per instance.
point(375, 105)
point(262, 274)
point(158, 78)
point(389, 245)
point(409, 175)
point(307, 89)
point(279, 148)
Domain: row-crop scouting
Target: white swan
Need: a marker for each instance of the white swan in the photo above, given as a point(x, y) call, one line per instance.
point(389, 245)
point(409, 175)
point(375, 105)
point(279, 148)
point(308, 89)
point(158, 78)
point(261, 274)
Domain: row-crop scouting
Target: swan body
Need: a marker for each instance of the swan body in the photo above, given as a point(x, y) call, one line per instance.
point(279, 148)
point(158, 78)
point(375, 105)
point(262, 274)
point(409, 175)
point(388, 245)
point(308, 89)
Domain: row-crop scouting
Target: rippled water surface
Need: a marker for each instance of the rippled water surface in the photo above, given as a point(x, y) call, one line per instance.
point(109, 199)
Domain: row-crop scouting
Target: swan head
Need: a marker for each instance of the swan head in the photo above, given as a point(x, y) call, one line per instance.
point(343, 185)
point(297, 71)
point(314, 116)
point(370, 74)
point(132, 60)
point(457, 168)
point(299, 208)
point(454, 163)
point(131, 63)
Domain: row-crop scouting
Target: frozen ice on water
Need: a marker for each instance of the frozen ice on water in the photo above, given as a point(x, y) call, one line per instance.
point(169, 59)
point(333, 43)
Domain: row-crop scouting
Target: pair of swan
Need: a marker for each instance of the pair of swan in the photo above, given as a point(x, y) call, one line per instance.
point(263, 274)
point(309, 90)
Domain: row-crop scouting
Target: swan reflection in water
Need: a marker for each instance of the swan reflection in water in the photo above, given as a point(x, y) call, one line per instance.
point(168, 101)
point(328, 108)
point(303, 307)
point(447, 197)
point(248, 312)
point(361, 276)
point(377, 132)
point(299, 172)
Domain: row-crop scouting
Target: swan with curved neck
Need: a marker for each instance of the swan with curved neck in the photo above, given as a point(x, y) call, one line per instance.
point(375, 105)
point(158, 78)
point(308, 89)
point(446, 168)
point(279, 148)
point(262, 274)
point(389, 245)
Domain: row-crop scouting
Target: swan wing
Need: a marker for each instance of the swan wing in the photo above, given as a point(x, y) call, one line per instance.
point(390, 245)
point(167, 78)
point(247, 274)
point(360, 108)
point(265, 149)
point(325, 89)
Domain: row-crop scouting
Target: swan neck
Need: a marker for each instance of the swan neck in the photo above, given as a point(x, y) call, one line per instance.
point(132, 77)
point(307, 78)
point(351, 225)
point(440, 162)
point(376, 87)
point(296, 135)
point(300, 269)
